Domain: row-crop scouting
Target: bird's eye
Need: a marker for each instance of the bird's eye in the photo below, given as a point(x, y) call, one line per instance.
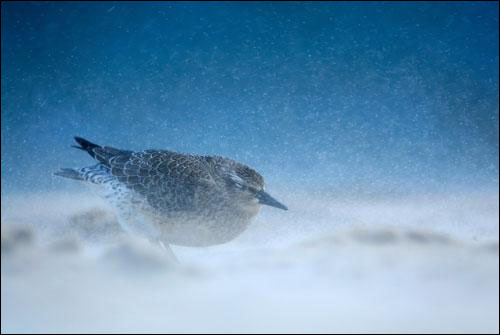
point(252, 189)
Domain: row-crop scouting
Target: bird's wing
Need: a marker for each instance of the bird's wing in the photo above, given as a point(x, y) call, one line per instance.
point(167, 180)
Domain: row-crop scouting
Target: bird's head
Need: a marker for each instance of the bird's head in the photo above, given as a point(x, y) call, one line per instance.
point(248, 186)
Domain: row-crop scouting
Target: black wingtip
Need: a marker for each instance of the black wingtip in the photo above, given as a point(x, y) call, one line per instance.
point(85, 145)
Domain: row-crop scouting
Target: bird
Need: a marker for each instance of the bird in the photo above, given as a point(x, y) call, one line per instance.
point(172, 198)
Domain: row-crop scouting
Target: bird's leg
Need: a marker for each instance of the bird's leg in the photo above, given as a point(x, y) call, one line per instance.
point(168, 251)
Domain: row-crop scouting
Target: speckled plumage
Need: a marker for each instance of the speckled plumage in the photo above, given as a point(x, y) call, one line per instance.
point(175, 198)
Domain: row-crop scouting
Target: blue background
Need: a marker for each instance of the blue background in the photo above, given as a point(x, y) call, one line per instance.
point(392, 96)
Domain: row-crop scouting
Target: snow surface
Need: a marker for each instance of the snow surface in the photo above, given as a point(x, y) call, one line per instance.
point(427, 264)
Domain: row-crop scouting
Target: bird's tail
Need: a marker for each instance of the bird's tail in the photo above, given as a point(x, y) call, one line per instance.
point(96, 174)
point(69, 173)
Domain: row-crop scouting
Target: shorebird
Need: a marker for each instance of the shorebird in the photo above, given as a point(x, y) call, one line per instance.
point(173, 198)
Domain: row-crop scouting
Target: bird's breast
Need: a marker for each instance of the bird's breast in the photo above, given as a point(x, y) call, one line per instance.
point(205, 228)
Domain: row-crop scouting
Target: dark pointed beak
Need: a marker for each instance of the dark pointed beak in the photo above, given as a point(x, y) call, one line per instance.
point(266, 199)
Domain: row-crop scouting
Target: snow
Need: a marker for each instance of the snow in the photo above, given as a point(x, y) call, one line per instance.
point(392, 273)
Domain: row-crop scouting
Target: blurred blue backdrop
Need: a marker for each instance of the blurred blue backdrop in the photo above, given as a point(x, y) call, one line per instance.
point(320, 95)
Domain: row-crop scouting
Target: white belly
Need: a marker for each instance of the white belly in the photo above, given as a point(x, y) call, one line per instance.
point(197, 233)
point(187, 229)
